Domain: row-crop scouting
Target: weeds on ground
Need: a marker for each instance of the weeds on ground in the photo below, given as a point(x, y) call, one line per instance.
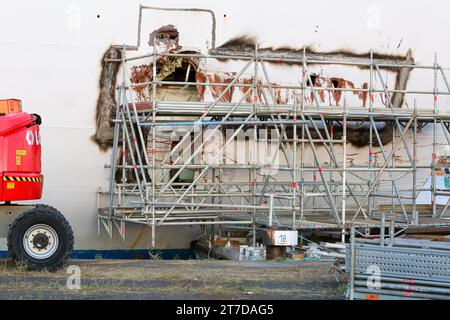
point(177, 257)
point(155, 254)
point(17, 268)
point(21, 267)
point(196, 256)
point(342, 289)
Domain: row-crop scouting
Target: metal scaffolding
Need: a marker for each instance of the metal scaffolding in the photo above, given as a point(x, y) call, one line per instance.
point(397, 269)
point(145, 184)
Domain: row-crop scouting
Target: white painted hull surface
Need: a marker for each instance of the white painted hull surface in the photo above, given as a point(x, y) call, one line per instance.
point(51, 52)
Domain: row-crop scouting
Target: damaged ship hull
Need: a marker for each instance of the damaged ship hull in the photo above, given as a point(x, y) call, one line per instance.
point(58, 69)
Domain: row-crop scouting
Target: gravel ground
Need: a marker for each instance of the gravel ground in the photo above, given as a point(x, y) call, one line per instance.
point(176, 279)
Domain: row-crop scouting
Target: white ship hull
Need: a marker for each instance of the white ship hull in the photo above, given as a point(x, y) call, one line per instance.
point(51, 53)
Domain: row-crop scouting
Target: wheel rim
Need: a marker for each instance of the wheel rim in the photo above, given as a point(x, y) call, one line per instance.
point(40, 241)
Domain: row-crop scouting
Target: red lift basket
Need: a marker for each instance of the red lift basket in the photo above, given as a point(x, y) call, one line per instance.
point(20, 153)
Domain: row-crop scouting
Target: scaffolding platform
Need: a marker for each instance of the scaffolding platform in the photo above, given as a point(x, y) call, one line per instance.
point(157, 181)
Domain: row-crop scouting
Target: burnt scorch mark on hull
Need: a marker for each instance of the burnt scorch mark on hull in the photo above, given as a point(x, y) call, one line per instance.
point(175, 69)
point(239, 43)
point(106, 102)
point(358, 136)
point(245, 45)
point(167, 37)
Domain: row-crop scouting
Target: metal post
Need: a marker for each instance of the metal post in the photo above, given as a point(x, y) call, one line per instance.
point(352, 264)
point(295, 183)
point(434, 156)
point(382, 228)
point(270, 210)
point(344, 172)
point(371, 126)
point(154, 88)
point(302, 160)
point(415, 214)
point(255, 138)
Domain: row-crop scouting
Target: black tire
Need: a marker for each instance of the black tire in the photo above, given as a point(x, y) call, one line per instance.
point(46, 215)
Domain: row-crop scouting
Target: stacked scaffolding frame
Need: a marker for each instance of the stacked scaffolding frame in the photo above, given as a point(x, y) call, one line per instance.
point(291, 203)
